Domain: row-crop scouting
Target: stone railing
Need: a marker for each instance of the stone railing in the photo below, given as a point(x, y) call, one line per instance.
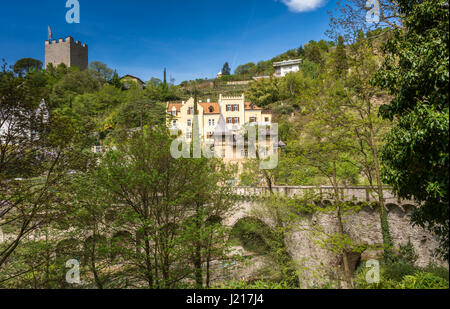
point(348, 193)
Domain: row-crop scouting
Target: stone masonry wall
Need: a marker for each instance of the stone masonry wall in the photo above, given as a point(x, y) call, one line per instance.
point(67, 51)
point(316, 263)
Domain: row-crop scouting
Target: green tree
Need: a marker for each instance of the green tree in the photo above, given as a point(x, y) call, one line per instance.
point(226, 70)
point(245, 69)
point(415, 72)
point(327, 145)
point(350, 16)
point(115, 81)
point(314, 53)
point(84, 219)
point(37, 148)
point(340, 58)
point(264, 92)
point(101, 71)
point(25, 65)
point(166, 206)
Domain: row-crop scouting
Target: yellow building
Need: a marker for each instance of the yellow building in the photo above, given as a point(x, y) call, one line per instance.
point(229, 116)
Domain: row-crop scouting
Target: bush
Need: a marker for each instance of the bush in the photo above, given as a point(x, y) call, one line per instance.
point(401, 275)
point(399, 270)
point(424, 281)
point(407, 254)
point(439, 271)
point(255, 285)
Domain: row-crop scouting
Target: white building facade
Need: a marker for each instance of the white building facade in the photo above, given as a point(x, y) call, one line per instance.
point(285, 67)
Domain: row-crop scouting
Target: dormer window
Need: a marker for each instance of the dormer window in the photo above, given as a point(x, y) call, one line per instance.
point(174, 111)
point(211, 109)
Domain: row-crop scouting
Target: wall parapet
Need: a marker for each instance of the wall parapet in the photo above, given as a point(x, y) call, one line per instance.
point(348, 193)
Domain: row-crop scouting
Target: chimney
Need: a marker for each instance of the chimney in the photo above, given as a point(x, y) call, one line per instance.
point(209, 100)
point(182, 102)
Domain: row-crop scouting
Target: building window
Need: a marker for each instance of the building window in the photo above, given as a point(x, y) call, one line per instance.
point(229, 119)
point(189, 122)
point(189, 135)
point(212, 122)
point(252, 119)
point(211, 109)
point(266, 119)
point(235, 108)
point(174, 123)
point(229, 109)
point(191, 111)
point(236, 120)
point(209, 135)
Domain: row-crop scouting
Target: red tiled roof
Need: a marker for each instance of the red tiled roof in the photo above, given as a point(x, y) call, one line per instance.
point(215, 106)
point(248, 106)
point(172, 105)
point(206, 107)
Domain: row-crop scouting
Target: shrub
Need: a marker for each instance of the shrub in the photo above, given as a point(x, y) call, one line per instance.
point(439, 271)
point(422, 280)
point(407, 254)
point(401, 275)
point(255, 285)
point(397, 271)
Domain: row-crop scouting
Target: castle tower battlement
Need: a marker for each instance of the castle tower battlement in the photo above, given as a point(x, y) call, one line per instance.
point(67, 51)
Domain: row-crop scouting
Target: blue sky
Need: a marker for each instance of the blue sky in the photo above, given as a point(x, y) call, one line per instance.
point(192, 38)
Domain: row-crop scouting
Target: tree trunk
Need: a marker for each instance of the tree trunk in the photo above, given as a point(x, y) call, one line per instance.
point(93, 258)
point(198, 267)
point(347, 273)
point(148, 262)
point(387, 239)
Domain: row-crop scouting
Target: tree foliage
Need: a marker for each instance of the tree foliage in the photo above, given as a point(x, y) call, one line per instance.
point(415, 72)
point(25, 65)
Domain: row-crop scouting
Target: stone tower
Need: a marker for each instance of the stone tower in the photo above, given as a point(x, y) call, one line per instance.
point(67, 51)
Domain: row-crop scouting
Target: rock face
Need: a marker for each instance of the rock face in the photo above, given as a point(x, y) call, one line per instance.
point(316, 262)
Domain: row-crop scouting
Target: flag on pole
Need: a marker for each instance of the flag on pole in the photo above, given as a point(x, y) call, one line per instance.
point(50, 33)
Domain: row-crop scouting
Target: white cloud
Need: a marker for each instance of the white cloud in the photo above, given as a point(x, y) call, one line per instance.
point(303, 5)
